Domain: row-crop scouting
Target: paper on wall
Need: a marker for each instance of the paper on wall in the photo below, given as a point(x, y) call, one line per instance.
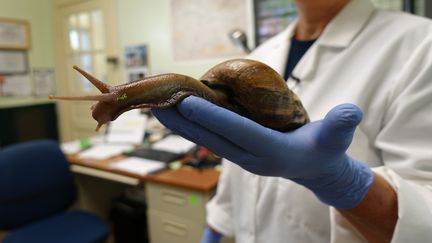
point(16, 85)
point(43, 81)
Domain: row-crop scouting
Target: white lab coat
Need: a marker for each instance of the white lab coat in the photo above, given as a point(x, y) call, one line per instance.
point(380, 61)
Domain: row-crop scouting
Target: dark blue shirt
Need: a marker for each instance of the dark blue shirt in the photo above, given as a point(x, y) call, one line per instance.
point(297, 50)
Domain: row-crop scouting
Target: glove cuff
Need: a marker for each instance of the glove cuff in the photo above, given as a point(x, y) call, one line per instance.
point(345, 189)
point(211, 236)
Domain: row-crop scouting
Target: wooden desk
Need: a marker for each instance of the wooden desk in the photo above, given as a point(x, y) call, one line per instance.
point(194, 179)
point(176, 199)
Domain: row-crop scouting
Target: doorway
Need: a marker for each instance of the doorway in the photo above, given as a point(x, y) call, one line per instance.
point(86, 37)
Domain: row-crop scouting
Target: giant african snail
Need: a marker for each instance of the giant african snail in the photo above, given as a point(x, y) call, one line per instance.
point(247, 87)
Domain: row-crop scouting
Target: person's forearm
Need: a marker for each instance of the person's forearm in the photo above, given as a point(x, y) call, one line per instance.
point(376, 216)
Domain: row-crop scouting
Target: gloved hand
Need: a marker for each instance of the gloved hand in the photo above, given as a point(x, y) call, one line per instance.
point(210, 236)
point(312, 155)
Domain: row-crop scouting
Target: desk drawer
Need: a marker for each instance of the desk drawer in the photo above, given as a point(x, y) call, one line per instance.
point(177, 201)
point(166, 227)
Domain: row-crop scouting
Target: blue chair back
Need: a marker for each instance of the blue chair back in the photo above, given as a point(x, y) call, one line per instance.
point(35, 182)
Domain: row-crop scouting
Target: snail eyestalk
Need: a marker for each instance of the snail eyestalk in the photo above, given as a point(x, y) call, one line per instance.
point(101, 97)
point(99, 125)
point(101, 86)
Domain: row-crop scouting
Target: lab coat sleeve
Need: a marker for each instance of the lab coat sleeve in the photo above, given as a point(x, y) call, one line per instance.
point(414, 213)
point(404, 143)
point(219, 209)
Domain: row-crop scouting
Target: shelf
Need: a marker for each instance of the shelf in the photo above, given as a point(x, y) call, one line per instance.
point(8, 102)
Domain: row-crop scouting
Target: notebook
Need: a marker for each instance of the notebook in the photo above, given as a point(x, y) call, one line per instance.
point(139, 166)
point(154, 154)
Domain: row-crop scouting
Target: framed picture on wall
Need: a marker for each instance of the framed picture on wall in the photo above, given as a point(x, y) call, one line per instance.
point(14, 34)
point(136, 56)
point(137, 67)
point(13, 62)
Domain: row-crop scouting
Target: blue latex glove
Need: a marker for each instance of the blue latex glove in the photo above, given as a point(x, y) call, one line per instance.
point(313, 155)
point(210, 236)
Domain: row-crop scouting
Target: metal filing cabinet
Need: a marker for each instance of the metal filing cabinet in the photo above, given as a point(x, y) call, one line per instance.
point(176, 214)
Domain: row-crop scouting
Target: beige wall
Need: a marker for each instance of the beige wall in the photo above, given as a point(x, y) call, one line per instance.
point(139, 22)
point(40, 15)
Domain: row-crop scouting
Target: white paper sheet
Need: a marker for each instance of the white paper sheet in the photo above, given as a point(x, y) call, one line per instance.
point(71, 147)
point(128, 128)
point(175, 144)
point(104, 151)
point(13, 61)
point(138, 165)
point(16, 85)
point(43, 81)
point(75, 146)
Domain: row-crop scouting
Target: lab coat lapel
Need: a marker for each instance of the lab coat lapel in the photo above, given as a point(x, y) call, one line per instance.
point(339, 33)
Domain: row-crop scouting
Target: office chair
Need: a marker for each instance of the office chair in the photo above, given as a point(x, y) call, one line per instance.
point(36, 191)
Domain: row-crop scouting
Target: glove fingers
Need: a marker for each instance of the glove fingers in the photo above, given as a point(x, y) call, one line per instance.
point(339, 125)
point(172, 119)
point(242, 131)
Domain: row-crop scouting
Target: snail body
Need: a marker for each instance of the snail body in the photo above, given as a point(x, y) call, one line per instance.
point(247, 87)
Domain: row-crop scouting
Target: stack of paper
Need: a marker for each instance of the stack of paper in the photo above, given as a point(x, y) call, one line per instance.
point(129, 128)
point(138, 165)
point(76, 146)
point(104, 151)
point(71, 147)
point(174, 144)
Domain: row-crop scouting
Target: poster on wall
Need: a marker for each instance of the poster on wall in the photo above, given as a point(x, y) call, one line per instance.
point(13, 62)
point(15, 85)
point(43, 81)
point(136, 62)
point(201, 30)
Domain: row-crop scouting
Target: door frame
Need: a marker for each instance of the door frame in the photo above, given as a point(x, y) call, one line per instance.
point(61, 66)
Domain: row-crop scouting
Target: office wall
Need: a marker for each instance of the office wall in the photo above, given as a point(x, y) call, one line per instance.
point(148, 22)
point(40, 15)
point(139, 22)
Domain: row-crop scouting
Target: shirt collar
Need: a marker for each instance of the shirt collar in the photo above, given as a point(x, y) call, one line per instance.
point(345, 26)
point(340, 32)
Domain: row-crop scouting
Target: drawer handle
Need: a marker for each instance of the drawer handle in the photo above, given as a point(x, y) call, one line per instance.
point(173, 198)
point(175, 228)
